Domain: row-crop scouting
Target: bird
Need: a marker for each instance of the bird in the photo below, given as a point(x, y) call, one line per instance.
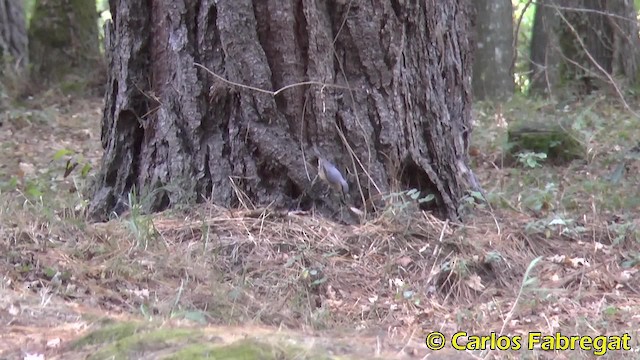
point(332, 176)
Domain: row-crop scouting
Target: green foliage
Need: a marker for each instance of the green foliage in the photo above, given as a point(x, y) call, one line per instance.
point(140, 224)
point(34, 189)
point(415, 195)
point(28, 9)
point(102, 6)
point(472, 200)
point(73, 160)
point(538, 200)
point(555, 225)
point(521, 68)
point(401, 202)
point(104, 15)
point(531, 159)
point(43, 189)
point(622, 231)
point(312, 277)
point(631, 260)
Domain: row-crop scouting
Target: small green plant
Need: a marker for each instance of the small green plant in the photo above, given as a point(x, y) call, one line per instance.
point(631, 260)
point(73, 161)
point(405, 293)
point(313, 277)
point(415, 195)
point(531, 159)
point(141, 225)
point(473, 200)
point(539, 200)
point(555, 225)
point(622, 231)
point(401, 201)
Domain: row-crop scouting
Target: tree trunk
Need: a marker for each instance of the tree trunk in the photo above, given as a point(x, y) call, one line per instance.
point(63, 40)
point(492, 73)
point(13, 44)
point(13, 32)
point(394, 101)
point(595, 39)
point(626, 42)
point(545, 50)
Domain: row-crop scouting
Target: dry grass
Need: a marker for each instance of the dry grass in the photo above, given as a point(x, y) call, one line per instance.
point(393, 278)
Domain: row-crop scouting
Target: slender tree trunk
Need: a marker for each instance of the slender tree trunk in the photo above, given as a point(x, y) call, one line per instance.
point(626, 42)
point(390, 99)
point(13, 32)
point(492, 73)
point(545, 50)
point(13, 44)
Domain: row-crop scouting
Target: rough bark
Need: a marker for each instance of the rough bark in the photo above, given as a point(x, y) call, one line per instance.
point(13, 32)
point(396, 104)
point(492, 73)
point(602, 40)
point(63, 40)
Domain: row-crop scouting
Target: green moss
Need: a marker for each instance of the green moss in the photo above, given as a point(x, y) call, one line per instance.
point(133, 345)
point(560, 144)
point(110, 333)
point(245, 349)
point(131, 341)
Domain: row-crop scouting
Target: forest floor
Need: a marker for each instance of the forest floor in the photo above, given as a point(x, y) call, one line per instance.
point(558, 252)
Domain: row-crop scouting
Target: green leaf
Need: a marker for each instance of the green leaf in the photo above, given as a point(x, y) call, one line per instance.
point(49, 272)
point(13, 183)
point(477, 195)
point(196, 316)
point(557, 221)
point(144, 310)
point(85, 170)
point(427, 198)
point(61, 153)
point(414, 194)
point(33, 191)
point(319, 282)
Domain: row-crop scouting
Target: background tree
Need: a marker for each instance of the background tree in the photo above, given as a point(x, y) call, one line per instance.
point(13, 32)
point(13, 41)
point(545, 51)
point(583, 40)
point(63, 40)
point(390, 100)
point(494, 47)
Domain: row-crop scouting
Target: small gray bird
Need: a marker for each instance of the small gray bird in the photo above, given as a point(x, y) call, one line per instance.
point(332, 176)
